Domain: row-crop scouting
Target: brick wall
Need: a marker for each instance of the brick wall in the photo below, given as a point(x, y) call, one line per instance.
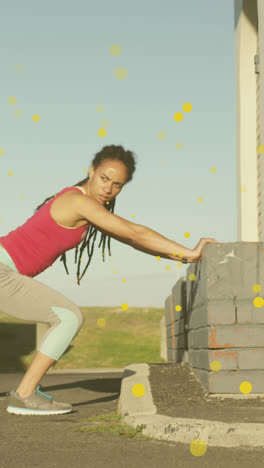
point(221, 321)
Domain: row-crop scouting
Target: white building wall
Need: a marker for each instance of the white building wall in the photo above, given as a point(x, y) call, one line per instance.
point(246, 44)
point(260, 130)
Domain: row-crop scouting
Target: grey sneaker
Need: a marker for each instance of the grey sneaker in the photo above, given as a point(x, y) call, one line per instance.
point(36, 404)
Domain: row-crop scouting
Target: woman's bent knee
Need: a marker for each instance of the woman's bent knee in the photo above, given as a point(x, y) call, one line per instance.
point(59, 336)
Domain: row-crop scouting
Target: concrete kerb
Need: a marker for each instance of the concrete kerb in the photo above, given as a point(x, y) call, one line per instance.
point(136, 411)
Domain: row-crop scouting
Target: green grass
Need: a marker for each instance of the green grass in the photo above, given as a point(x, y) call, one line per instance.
point(128, 337)
point(112, 423)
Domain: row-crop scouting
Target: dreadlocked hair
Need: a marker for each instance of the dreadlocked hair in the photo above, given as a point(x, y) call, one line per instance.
point(112, 152)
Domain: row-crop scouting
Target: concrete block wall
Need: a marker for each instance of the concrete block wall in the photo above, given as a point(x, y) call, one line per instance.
point(177, 346)
point(219, 319)
point(163, 339)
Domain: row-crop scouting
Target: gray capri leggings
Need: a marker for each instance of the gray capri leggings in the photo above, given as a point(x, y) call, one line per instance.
point(28, 299)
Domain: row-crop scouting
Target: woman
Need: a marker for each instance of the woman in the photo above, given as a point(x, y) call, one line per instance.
point(72, 216)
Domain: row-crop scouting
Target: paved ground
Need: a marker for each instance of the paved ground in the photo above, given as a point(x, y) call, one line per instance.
point(38, 441)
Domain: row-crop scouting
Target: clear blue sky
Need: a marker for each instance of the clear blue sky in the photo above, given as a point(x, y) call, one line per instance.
point(58, 61)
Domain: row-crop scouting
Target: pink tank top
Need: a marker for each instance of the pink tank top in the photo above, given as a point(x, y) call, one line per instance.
point(36, 244)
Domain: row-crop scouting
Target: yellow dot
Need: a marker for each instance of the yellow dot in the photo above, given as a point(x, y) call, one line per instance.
point(12, 100)
point(124, 306)
point(124, 280)
point(101, 132)
point(158, 258)
point(85, 170)
point(179, 145)
point(10, 173)
point(178, 308)
point(111, 259)
point(149, 233)
point(167, 267)
point(80, 200)
point(243, 188)
point(107, 202)
point(245, 387)
point(105, 123)
point(213, 170)
point(101, 322)
point(178, 116)
point(186, 234)
point(80, 259)
point(260, 149)
point(258, 302)
point(161, 134)
point(200, 199)
point(181, 255)
point(192, 277)
point(55, 195)
point(115, 271)
point(174, 254)
point(138, 390)
point(36, 118)
point(18, 113)
point(1, 219)
point(115, 50)
point(132, 216)
point(198, 448)
point(187, 107)
point(21, 196)
point(2, 152)
point(256, 288)
point(179, 264)
point(99, 108)
point(19, 69)
point(215, 366)
point(120, 73)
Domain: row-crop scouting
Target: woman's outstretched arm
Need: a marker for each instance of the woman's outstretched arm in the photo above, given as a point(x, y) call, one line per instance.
point(150, 241)
point(159, 245)
point(138, 236)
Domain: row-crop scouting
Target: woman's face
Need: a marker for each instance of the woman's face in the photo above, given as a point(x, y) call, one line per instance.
point(107, 181)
